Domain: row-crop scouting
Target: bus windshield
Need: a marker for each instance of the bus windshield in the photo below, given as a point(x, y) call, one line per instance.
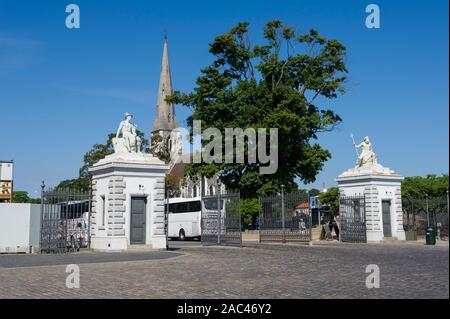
point(211, 204)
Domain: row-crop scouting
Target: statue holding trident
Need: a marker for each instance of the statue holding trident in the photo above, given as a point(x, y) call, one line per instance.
point(130, 142)
point(367, 156)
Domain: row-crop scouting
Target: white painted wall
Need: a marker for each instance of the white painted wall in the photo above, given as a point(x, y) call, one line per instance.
point(19, 227)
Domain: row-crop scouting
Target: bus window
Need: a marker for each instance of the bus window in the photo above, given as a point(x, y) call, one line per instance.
point(194, 206)
point(184, 207)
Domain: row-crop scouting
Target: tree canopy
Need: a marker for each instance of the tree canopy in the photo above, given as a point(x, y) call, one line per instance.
point(431, 185)
point(23, 197)
point(330, 197)
point(274, 85)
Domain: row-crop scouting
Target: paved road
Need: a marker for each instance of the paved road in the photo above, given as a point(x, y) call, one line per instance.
point(19, 261)
point(180, 244)
point(258, 271)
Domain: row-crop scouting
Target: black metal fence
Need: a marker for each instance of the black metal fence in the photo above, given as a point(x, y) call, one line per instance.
point(352, 215)
point(285, 218)
point(65, 220)
point(421, 213)
point(221, 220)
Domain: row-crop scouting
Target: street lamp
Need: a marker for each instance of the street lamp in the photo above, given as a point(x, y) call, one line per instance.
point(166, 215)
point(219, 217)
point(282, 213)
point(42, 212)
point(447, 207)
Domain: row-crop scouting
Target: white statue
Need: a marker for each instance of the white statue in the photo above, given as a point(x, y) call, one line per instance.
point(367, 156)
point(177, 142)
point(130, 142)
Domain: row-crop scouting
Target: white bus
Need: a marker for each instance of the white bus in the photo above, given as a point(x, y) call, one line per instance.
point(185, 216)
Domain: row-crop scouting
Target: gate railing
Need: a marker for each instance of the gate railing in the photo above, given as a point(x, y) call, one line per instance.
point(420, 213)
point(65, 220)
point(221, 219)
point(285, 218)
point(352, 215)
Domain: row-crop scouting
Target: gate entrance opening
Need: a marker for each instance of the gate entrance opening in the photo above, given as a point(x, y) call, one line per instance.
point(285, 218)
point(221, 220)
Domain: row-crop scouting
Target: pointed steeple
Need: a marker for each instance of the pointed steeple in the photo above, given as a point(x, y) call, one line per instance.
point(165, 112)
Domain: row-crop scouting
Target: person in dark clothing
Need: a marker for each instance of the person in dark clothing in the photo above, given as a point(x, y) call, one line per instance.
point(327, 230)
point(333, 225)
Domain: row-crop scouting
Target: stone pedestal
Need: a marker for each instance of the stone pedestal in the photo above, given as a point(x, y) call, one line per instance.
point(379, 184)
point(117, 180)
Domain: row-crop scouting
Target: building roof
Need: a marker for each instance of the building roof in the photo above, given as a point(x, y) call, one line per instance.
point(302, 206)
point(177, 170)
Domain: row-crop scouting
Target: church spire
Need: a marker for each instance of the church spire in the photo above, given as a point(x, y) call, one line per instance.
point(165, 112)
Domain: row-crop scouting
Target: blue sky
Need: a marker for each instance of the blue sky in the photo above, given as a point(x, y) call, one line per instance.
point(63, 90)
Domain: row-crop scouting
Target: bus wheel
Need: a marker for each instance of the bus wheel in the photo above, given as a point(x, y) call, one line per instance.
point(181, 235)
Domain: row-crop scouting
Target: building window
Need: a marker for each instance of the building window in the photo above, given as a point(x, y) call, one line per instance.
point(103, 209)
point(203, 185)
point(211, 190)
point(194, 191)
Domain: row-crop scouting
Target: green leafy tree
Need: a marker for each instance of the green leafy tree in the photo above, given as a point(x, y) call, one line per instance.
point(172, 186)
point(314, 192)
point(414, 191)
point(80, 184)
point(432, 185)
point(249, 210)
point(330, 197)
point(22, 197)
point(274, 85)
point(98, 152)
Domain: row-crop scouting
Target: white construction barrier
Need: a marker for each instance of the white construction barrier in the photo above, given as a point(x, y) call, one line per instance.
point(19, 228)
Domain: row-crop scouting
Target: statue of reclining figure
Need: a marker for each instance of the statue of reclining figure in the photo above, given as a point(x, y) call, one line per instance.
point(367, 156)
point(130, 142)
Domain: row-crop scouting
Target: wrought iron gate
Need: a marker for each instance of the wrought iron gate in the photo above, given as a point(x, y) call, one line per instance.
point(221, 220)
point(65, 220)
point(285, 218)
point(352, 214)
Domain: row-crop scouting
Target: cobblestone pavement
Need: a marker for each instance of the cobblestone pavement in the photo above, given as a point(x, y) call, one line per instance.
point(258, 271)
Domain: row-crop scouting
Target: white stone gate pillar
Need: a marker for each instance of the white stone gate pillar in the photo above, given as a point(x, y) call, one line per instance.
point(117, 179)
point(379, 184)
